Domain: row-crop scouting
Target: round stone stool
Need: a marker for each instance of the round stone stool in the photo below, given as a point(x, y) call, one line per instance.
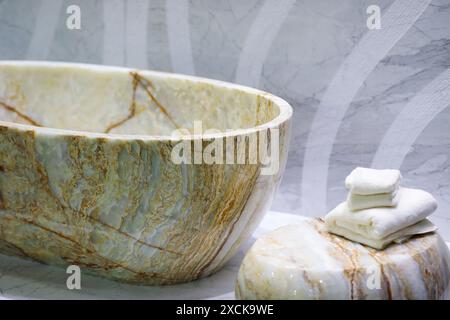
point(304, 261)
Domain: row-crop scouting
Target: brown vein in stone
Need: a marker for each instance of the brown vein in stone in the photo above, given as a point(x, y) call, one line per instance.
point(380, 262)
point(131, 237)
point(11, 248)
point(351, 274)
point(44, 181)
point(132, 112)
point(387, 281)
point(94, 253)
point(146, 84)
point(425, 271)
point(20, 114)
point(2, 202)
point(233, 224)
point(312, 283)
point(238, 290)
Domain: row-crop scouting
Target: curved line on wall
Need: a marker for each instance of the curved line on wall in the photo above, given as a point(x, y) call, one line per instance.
point(114, 32)
point(136, 34)
point(179, 36)
point(352, 73)
point(411, 121)
point(259, 40)
point(44, 29)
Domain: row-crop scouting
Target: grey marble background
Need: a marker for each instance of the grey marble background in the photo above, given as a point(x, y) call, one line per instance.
point(361, 97)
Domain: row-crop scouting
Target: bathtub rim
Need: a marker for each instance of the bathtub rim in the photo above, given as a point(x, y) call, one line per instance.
point(284, 115)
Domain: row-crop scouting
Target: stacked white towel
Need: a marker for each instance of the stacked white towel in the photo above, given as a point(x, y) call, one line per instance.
point(369, 188)
point(378, 212)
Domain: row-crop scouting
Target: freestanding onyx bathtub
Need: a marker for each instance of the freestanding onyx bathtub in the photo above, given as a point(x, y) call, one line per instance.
point(88, 177)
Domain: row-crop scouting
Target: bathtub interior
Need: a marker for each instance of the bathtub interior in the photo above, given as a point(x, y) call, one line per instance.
point(120, 101)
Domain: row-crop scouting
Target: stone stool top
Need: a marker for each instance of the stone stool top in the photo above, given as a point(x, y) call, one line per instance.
point(304, 261)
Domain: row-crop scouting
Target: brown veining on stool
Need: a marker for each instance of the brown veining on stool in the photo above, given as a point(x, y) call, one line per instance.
point(416, 269)
point(350, 268)
point(423, 263)
point(313, 283)
point(378, 257)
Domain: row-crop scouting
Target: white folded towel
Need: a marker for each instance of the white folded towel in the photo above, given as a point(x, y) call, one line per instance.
point(421, 227)
point(358, 202)
point(366, 181)
point(380, 224)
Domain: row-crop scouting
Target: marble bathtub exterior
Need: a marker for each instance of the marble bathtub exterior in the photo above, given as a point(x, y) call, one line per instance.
point(87, 178)
point(294, 49)
point(303, 261)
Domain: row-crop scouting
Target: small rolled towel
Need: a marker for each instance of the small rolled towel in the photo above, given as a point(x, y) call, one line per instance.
point(377, 227)
point(358, 202)
point(366, 181)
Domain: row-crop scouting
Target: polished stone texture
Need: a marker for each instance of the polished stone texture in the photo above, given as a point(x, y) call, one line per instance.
point(303, 261)
point(87, 178)
point(293, 49)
